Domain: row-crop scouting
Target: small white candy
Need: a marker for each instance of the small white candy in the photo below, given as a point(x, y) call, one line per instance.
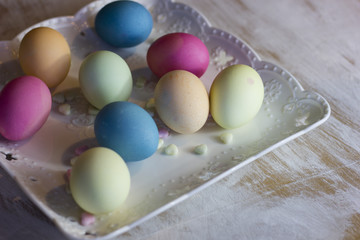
point(150, 103)
point(140, 82)
point(201, 149)
point(65, 109)
point(226, 138)
point(171, 150)
point(73, 160)
point(161, 143)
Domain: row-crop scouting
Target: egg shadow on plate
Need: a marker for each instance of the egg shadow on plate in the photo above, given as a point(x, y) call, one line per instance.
point(144, 72)
point(88, 143)
point(60, 200)
point(13, 145)
point(9, 70)
point(144, 82)
point(87, 41)
point(135, 167)
point(80, 146)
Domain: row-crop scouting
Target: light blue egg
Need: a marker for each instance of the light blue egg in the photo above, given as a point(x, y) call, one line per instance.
point(105, 77)
point(127, 129)
point(123, 23)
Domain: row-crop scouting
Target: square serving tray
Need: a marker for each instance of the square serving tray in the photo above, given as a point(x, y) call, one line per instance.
point(160, 181)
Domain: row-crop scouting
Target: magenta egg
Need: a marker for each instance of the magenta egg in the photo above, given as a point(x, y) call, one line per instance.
point(178, 51)
point(25, 105)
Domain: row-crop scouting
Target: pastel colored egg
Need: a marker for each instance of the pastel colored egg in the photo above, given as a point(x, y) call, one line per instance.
point(123, 23)
point(99, 180)
point(127, 129)
point(178, 51)
point(104, 78)
point(181, 101)
point(236, 96)
point(45, 53)
point(25, 104)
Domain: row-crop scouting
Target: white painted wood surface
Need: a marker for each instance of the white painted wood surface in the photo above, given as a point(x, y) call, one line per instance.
point(307, 189)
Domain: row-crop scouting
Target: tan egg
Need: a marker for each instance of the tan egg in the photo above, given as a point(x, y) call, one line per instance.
point(181, 101)
point(45, 53)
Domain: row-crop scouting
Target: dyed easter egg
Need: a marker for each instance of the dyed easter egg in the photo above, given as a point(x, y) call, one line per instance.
point(25, 104)
point(123, 23)
point(104, 78)
point(127, 129)
point(181, 101)
point(236, 96)
point(99, 180)
point(178, 51)
point(45, 53)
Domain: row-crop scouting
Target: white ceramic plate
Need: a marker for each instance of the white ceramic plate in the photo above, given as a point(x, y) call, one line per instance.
point(161, 181)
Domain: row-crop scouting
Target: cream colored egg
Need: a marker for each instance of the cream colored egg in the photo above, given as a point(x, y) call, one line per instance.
point(181, 101)
point(236, 96)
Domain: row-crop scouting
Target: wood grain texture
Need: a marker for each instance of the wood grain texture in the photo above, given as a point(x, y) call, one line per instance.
point(306, 189)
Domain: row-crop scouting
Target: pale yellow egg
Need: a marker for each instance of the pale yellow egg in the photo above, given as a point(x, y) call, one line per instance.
point(100, 180)
point(236, 96)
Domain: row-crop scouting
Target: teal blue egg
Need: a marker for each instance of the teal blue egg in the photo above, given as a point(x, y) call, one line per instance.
point(127, 129)
point(123, 23)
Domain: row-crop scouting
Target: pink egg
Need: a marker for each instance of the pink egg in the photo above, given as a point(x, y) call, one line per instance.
point(25, 105)
point(178, 51)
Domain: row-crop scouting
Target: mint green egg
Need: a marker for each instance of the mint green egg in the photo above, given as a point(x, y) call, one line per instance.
point(236, 96)
point(99, 180)
point(104, 78)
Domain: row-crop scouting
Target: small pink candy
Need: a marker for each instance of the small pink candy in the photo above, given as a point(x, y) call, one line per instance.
point(163, 133)
point(87, 219)
point(81, 149)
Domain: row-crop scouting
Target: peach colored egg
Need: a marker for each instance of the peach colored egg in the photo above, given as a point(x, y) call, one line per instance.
point(45, 53)
point(181, 101)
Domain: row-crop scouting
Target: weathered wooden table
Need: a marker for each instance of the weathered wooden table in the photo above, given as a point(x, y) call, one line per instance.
point(306, 189)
